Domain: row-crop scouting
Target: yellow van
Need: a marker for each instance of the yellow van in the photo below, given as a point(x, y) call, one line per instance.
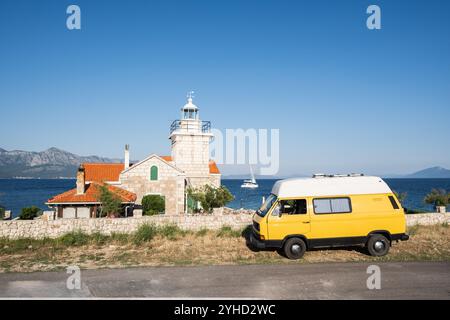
point(329, 211)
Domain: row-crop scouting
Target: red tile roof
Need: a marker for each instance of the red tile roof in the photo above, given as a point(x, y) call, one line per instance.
point(91, 195)
point(213, 167)
point(108, 172)
point(103, 171)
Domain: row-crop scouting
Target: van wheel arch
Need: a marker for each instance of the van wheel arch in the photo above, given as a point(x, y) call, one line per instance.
point(300, 236)
point(385, 233)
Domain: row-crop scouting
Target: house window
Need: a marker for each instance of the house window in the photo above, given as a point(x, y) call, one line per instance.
point(154, 173)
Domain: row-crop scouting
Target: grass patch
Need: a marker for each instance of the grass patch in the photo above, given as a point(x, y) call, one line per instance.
point(75, 238)
point(227, 231)
point(99, 238)
point(145, 233)
point(171, 246)
point(202, 232)
point(171, 231)
point(412, 230)
point(120, 238)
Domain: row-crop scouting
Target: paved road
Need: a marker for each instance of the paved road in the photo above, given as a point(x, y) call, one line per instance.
point(413, 280)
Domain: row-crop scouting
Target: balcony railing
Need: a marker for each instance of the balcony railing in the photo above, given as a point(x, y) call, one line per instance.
point(190, 126)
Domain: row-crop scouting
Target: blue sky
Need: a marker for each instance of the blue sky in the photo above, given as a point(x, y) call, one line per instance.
point(345, 98)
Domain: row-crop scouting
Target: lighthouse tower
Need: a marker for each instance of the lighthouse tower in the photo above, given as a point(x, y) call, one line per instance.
point(190, 138)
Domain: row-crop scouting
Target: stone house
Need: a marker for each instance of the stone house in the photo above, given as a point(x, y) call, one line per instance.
point(188, 165)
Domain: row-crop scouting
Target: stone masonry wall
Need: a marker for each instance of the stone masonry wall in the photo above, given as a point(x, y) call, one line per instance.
point(54, 228)
point(41, 228)
point(170, 183)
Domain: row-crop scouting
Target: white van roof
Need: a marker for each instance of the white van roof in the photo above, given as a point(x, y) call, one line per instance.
point(330, 186)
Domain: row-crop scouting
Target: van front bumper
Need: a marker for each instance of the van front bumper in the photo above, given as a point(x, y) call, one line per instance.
point(264, 244)
point(257, 243)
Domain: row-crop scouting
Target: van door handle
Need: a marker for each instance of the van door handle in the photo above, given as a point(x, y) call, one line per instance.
point(305, 221)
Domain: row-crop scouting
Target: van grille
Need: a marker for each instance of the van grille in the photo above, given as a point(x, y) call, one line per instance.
point(256, 226)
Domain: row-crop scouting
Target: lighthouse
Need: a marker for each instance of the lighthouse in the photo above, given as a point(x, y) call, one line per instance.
point(190, 137)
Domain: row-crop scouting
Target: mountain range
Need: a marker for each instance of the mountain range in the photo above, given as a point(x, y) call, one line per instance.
point(56, 163)
point(49, 164)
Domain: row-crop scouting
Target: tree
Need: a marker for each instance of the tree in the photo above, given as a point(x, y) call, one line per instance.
point(438, 198)
point(153, 204)
point(111, 203)
point(210, 197)
point(400, 196)
point(2, 211)
point(29, 213)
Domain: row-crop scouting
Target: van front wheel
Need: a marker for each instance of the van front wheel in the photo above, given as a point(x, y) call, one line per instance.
point(294, 248)
point(378, 245)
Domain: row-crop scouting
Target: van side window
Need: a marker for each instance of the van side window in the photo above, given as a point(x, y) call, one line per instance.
point(393, 202)
point(293, 206)
point(332, 205)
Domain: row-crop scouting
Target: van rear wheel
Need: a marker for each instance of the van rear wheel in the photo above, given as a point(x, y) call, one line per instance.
point(294, 248)
point(378, 245)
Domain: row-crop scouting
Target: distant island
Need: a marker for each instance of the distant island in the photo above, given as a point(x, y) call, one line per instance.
point(55, 163)
point(434, 172)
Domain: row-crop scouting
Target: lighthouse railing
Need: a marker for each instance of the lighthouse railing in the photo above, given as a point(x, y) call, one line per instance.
point(188, 126)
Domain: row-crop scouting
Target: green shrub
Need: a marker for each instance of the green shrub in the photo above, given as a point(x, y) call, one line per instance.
point(171, 231)
point(202, 232)
point(144, 233)
point(120, 237)
point(2, 212)
point(437, 198)
point(74, 238)
point(153, 204)
point(227, 231)
point(99, 238)
point(29, 213)
point(210, 197)
point(111, 204)
point(401, 197)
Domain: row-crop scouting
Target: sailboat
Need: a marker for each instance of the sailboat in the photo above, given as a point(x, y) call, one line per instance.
point(250, 183)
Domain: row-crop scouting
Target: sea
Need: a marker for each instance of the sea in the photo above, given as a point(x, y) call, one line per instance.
point(16, 194)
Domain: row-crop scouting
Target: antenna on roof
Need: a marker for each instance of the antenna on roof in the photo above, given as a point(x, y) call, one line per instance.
point(323, 175)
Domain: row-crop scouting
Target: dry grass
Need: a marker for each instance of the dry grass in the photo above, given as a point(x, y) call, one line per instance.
point(171, 248)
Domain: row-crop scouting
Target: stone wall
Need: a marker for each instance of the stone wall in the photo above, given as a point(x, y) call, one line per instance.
point(52, 229)
point(236, 219)
point(426, 219)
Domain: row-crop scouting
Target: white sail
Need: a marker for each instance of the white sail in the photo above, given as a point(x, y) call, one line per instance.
point(253, 176)
point(250, 183)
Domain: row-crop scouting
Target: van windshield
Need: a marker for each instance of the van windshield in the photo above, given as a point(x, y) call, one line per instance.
point(266, 205)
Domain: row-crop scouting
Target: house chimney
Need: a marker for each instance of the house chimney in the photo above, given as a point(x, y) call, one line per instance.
point(127, 156)
point(80, 180)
